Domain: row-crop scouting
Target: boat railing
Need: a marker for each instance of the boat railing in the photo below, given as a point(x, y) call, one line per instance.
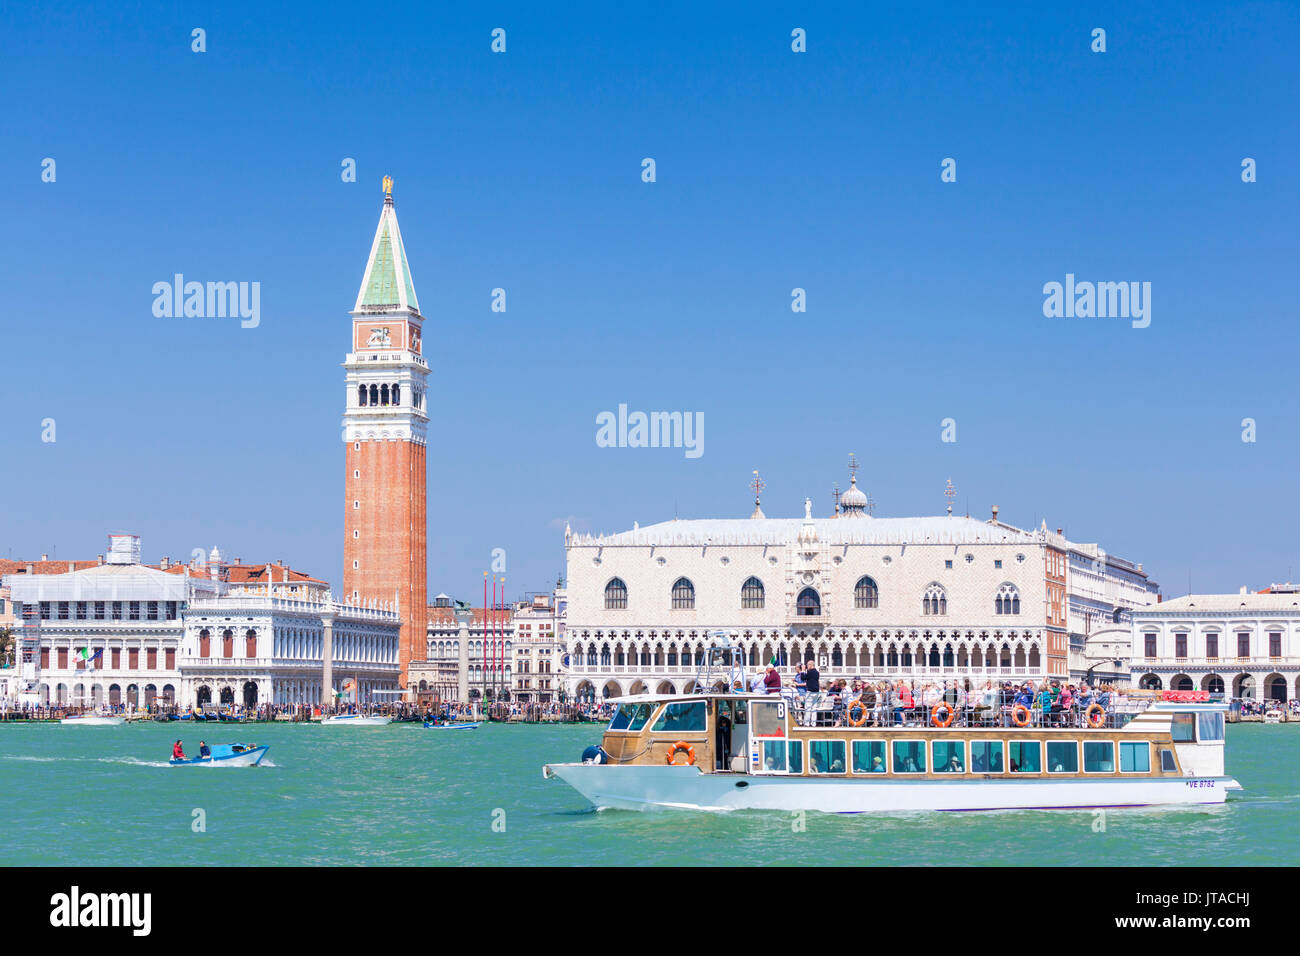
point(832, 712)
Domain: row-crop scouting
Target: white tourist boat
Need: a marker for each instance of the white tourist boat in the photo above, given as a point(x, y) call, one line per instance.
point(721, 751)
point(357, 720)
point(1273, 716)
point(93, 720)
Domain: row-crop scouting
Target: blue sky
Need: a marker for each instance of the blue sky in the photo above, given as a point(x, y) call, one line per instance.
point(775, 170)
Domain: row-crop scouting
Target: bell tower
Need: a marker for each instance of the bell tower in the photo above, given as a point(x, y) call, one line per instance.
point(385, 422)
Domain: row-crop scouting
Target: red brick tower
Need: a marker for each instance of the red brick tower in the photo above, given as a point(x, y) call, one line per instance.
point(385, 548)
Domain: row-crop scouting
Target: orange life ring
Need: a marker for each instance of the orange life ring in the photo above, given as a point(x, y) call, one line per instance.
point(1020, 715)
point(934, 714)
point(679, 747)
point(848, 714)
point(1100, 715)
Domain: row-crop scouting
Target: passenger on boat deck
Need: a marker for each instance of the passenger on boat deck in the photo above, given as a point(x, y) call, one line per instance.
point(800, 685)
point(813, 700)
point(757, 685)
point(772, 680)
point(954, 764)
point(204, 750)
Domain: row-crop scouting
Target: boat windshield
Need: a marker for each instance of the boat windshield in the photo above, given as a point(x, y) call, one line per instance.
point(630, 717)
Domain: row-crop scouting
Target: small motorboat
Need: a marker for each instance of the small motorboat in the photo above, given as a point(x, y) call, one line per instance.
point(436, 725)
point(357, 720)
point(226, 755)
point(93, 720)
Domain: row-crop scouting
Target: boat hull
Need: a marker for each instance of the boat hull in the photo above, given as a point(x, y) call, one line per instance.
point(472, 726)
point(347, 721)
point(93, 721)
point(641, 787)
point(246, 758)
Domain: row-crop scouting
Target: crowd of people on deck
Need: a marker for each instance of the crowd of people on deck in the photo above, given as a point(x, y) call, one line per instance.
point(890, 703)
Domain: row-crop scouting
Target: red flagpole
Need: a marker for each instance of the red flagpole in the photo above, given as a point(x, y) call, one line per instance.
point(485, 636)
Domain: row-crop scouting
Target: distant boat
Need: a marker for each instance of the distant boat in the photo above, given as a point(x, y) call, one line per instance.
point(93, 720)
point(460, 726)
point(358, 720)
point(226, 755)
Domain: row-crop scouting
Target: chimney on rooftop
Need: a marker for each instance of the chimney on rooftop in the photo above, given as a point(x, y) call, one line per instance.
point(995, 512)
point(165, 563)
point(31, 568)
point(72, 566)
point(1243, 590)
point(45, 557)
point(99, 559)
point(1058, 531)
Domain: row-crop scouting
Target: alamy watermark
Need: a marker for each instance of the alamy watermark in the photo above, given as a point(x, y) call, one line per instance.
point(1101, 300)
point(651, 430)
point(213, 300)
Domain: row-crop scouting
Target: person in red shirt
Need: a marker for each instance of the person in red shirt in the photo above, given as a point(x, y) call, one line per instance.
point(772, 680)
point(178, 752)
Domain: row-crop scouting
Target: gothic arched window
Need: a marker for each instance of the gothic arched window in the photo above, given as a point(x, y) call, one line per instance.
point(683, 594)
point(865, 593)
point(751, 593)
point(1007, 600)
point(616, 595)
point(935, 600)
point(808, 604)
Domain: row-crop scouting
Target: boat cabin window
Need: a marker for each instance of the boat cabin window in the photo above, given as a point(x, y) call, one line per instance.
point(1098, 756)
point(1024, 756)
point(774, 756)
point(683, 717)
point(796, 756)
point(909, 756)
point(630, 717)
point(949, 756)
point(1134, 757)
point(1167, 762)
point(826, 756)
point(986, 756)
point(769, 718)
point(1209, 727)
point(1062, 756)
point(1184, 728)
point(868, 756)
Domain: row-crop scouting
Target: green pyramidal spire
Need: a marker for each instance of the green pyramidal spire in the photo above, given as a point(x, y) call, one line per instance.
point(387, 280)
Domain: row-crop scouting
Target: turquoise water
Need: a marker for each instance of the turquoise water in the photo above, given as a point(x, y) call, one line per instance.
point(402, 795)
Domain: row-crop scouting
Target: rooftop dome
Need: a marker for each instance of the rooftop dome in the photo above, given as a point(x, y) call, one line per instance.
point(853, 502)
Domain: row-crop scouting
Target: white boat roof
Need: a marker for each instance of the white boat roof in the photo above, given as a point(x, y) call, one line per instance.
point(643, 698)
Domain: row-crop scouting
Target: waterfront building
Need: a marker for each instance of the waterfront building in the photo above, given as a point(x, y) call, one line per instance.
point(537, 650)
point(277, 636)
point(187, 634)
point(1103, 591)
point(1240, 645)
point(385, 550)
point(128, 614)
point(922, 599)
point(477, 648)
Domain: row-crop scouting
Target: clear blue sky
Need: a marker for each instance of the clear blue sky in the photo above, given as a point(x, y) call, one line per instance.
point(775, 170)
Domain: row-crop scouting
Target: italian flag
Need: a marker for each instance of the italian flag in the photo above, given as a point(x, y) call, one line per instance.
point(85, 654)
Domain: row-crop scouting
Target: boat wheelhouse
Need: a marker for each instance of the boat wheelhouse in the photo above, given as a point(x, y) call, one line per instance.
point(726, 751)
